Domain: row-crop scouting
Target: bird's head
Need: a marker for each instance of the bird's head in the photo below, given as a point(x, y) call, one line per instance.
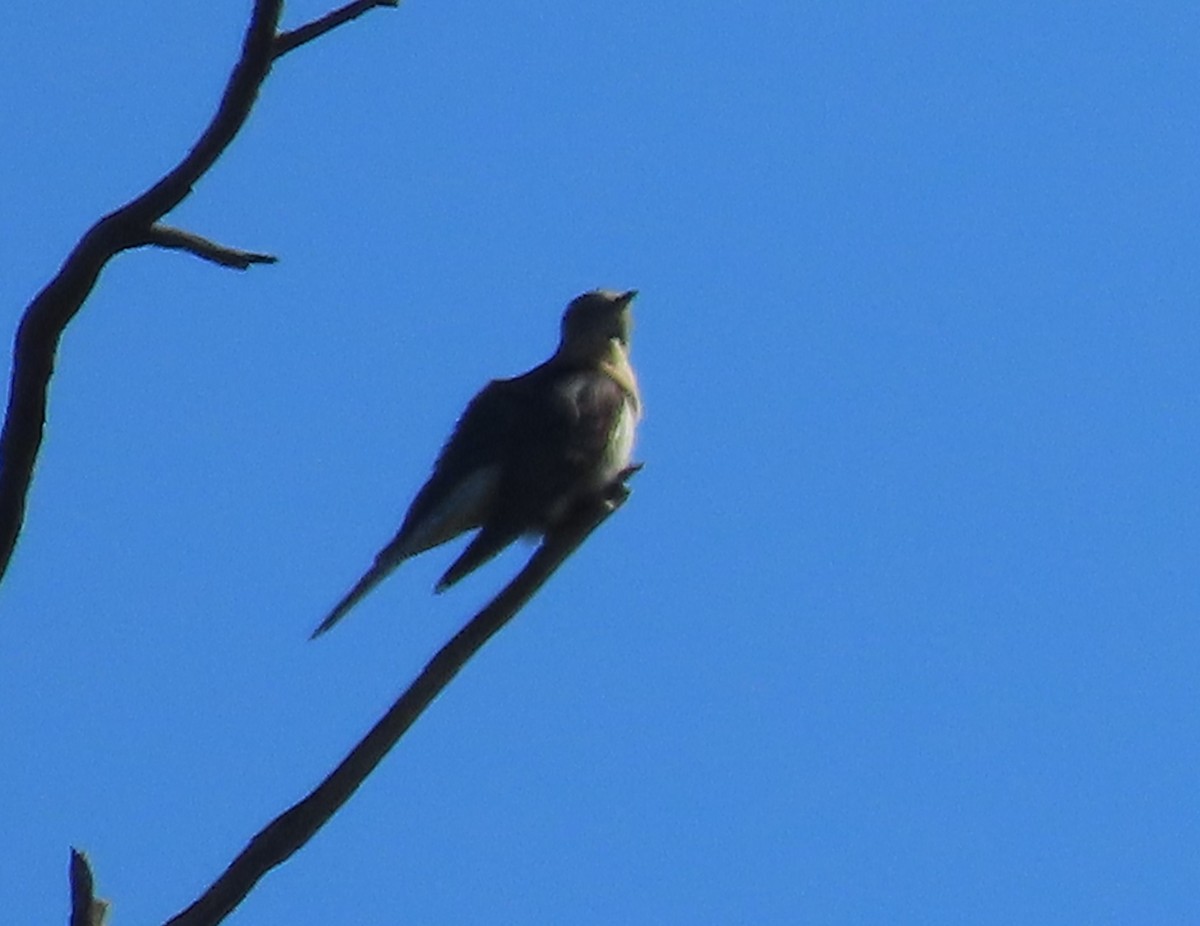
point(594, 320)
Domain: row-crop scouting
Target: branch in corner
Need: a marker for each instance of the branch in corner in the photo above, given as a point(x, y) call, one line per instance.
point(132, 225)
point(86, 909)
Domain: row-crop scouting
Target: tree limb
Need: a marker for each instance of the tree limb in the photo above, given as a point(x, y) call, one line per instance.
point(46, 318)
point(167, 236)
point(52, 309)
point(288, 832)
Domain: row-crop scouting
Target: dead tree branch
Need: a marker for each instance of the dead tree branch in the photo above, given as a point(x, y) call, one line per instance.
point(134, 224)
point(166, 236)
point(288, 832)
point(286, 41)
point(86, 910)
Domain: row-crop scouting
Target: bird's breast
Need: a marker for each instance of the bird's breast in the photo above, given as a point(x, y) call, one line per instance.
point(619, 450)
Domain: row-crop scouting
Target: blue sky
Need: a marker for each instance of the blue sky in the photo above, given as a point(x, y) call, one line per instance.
point(901, 624)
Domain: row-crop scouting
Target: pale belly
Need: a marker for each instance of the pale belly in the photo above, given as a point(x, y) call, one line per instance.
point(619, 451)
point(617, 455)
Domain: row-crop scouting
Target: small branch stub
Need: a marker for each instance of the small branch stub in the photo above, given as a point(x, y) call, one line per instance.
point(86, 908)
point(176, 239)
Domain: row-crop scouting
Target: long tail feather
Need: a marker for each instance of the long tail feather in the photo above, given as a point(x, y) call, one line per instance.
point(374, 576)
point(487, 543)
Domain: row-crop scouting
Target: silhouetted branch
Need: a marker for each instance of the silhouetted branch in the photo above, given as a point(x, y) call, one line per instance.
point(167, 236)
point(86, 910)
point(286, 41)
point(53, 308)
point(288, 832)
point(47, 316)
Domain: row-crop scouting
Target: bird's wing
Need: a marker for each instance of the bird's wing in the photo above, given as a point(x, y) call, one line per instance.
point(522, 450)
point(520, 444)
point(483, 546)
point(459, 493)
point(559, 450)
point(557, 447)
point(456, 497)
point(458, 512)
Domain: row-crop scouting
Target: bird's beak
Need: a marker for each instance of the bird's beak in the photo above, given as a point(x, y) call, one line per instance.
point(627, 297)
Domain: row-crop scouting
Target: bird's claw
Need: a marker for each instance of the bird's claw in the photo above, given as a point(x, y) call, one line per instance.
point(617, 491)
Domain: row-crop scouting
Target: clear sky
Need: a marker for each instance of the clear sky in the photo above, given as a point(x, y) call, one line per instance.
point(902, 624)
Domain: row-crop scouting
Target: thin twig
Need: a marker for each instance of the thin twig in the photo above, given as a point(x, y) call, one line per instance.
point(288, 832)
point(286, 41)
point(167, 236)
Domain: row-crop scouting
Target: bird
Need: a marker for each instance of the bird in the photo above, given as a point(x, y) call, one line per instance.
point(526, 449)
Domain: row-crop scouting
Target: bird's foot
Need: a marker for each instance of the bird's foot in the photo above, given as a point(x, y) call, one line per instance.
point(616, 492)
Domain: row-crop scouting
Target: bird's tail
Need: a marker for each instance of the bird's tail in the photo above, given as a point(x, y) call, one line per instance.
point(374, 576)
point(487, 543)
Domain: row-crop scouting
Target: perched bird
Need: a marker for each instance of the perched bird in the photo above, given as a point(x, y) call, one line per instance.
point(526, 448)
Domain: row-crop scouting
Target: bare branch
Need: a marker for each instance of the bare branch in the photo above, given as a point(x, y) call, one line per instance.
point(288, 832)
point(47, 316)
point(286, 41)
point(86, 910)
point(53, 308)
point(167, 236)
